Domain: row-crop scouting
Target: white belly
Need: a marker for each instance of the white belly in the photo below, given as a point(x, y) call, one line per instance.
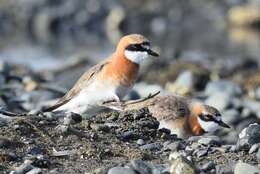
point(87, 102)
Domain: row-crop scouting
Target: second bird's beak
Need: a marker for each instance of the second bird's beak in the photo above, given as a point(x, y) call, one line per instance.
point(152, 53)
point(222, 124)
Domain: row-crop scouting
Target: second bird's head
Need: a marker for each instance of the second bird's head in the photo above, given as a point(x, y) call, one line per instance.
point(135, 48)
point(209, 118)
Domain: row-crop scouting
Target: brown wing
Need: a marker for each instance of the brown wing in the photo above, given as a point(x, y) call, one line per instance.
point(83, 81)
point(169, 107)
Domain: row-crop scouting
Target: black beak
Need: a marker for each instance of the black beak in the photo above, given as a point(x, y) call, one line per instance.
point(152, 53)
point(222, 124)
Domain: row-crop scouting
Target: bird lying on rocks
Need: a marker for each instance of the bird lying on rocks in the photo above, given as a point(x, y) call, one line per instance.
point(183, 116)
point(111, 79)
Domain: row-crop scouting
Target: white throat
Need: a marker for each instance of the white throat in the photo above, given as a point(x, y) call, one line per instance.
point(208, 126)
point(136, 56)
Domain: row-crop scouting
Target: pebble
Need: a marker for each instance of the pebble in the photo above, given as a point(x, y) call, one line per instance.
point(223, 86)
point(151, 146)
point(141, 167)
point(35, 171)
point(244, 168)
point(209, 140)
point(128, 135)
point(201, 152)
point(100, 127)
point(183, 84)
point(249, 136)
point(23, 168)
point(174, 146)
point(258, 154)
point(181, 165)
point(140, 142)
point(257, 93)
point(121, 170)
point(208, 166)
point(230, 116)
point(254, 148)
point(219, 100)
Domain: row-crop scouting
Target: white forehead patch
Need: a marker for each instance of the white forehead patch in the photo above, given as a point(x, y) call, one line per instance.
point(208, 126)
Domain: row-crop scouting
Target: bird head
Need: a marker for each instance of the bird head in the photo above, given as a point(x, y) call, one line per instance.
point(210, 119)
point(135, 48)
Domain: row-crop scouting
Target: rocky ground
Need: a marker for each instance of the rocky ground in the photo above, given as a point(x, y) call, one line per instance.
point(126, 142)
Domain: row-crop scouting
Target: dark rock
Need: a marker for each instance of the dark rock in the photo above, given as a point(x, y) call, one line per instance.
point(208, 166)
point(100, 127)
point(249, 136)
point(141, 167)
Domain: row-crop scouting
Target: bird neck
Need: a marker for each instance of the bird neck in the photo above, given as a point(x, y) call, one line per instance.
point(124, 69)
point(193, 123)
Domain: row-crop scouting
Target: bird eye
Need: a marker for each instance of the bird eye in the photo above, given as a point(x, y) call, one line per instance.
point(206, 117)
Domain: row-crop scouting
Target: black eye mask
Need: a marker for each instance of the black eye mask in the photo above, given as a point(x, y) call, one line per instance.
point(207, 117)
point(137, 47)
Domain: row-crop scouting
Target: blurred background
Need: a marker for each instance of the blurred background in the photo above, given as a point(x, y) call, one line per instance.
point(208, 49)
point(44, 33)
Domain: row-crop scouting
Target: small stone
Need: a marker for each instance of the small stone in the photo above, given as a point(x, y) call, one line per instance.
point(100, 127)
point(223, 86)
point(121, 170)
point(183, 84)
point(181, 165)
point(219, 100)
point(208, 166)
point(174, 146)
point(258, 154)
point(141, 167)
point(140, 142)
point(244, 168)
point(128, 135)
point(35, 170)
point(209, 140)
point(230, 116)
point(249, 136)
point(254, 148)
point(201, 152)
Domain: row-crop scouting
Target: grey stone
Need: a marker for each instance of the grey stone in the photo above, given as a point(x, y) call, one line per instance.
point(209, 140)
point(121, 170)
point(174, 146)
point(254, 148)
point(219, 100)
point(208, 166)
point(201, 152)
point(35, 171)
point(141, 167)
point(252, 105)
point(258, 154)
point(244, 168)
point(230, 116)
point(223, 86)
point(140, 142)
point(182, 165)
point(249, 136)
point(257, 93)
